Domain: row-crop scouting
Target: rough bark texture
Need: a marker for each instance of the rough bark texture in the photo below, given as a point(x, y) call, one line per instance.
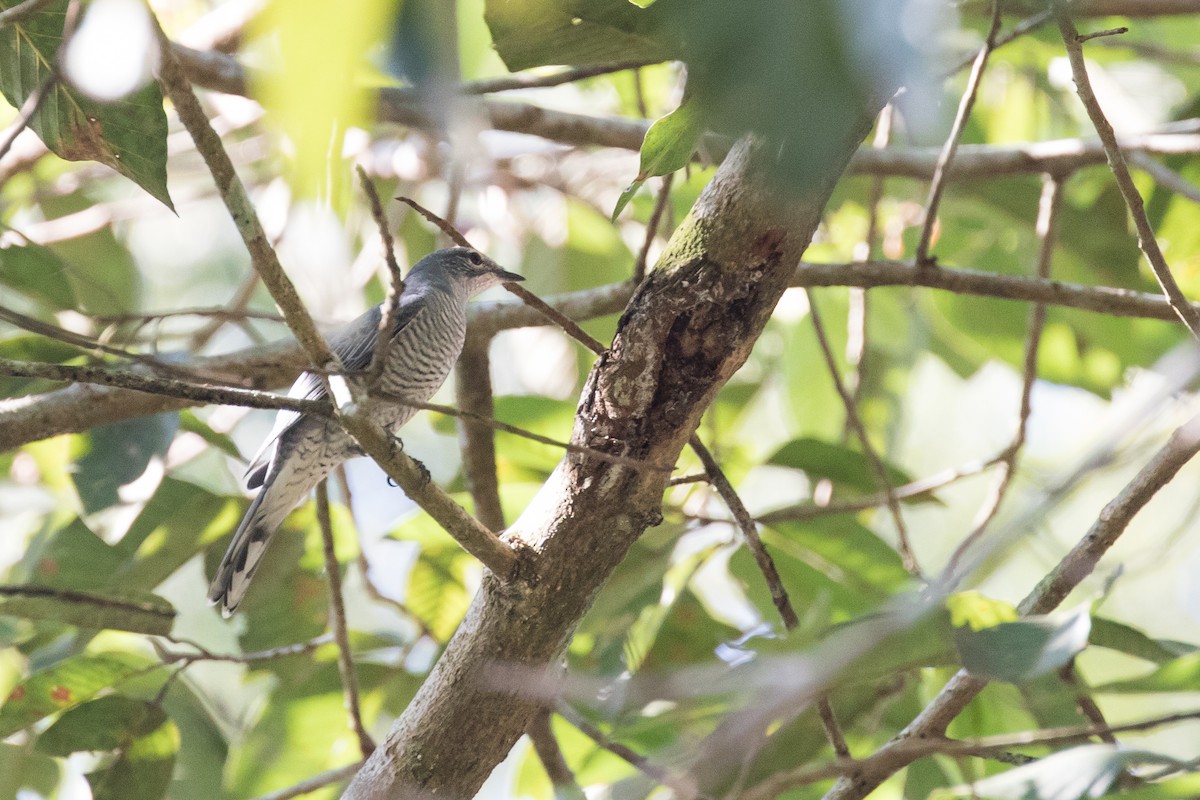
point(689, 327)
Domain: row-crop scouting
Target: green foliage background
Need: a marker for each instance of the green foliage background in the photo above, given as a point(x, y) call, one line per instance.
point(109, 534)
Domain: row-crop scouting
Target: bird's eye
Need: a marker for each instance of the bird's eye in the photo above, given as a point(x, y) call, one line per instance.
point(476, 259)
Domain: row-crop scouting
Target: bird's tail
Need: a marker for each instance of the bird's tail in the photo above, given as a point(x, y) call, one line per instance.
point(281, 492)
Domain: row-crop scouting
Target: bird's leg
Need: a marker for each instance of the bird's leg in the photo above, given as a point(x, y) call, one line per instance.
point(425, 476)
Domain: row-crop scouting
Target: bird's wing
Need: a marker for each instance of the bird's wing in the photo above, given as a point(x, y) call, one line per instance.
point(354, 346)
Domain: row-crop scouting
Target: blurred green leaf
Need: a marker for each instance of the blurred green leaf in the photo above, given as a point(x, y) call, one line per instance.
point(313, 101)
point(1181, 674)
point(105, 723)
point(180, 520)
point(118, 454)
point(128, 610)
point(534, 33)
point(1022, 650)
point(845, 467)
point(1127, 639)
point(1085, 771)
point(23, 768)
point(129, 135)
point(143, 768)
point(66, 685)
point(36, 272)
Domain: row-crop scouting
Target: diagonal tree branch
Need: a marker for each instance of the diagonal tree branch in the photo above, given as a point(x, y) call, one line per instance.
point(1113, 520)
point(1116, 161)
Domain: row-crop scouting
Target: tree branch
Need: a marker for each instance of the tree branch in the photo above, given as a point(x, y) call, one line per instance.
point(933, 720)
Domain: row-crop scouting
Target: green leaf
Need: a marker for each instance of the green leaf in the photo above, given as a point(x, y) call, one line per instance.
point(118, 454)
point(979, 611)
point(1020, 651)
point(105, 723)
point(667, 147)
point(37, 272)
point(1178, 675)
point(142, 770)
point(131, 610)
point(1085, 771)
point(534, 33)
point(1126, 639)
point(437, 591)
point(129, 135)
point(845, 467)
point(64, 686)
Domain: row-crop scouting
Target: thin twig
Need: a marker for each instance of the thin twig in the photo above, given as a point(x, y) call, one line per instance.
point(204, 654)
point(22, 11)
point(414, 479)
point(473, 391)
point(833, 731)
point(1027, 25)
point(314, 783)
point(241, 210)
point(170, 387)
point(1116, 161)
point(938, 186)
point(1166, 177)
point(391, 305)
point(529, 298)
point(545, 744)
point(337, 621)
point(931, 723)
point(32, 103)
point(1047, 225)
point(683, 785)
point(1087, 37)
point(914, 748)
point(881, 476)
point(745, 522)
point(660, 204)
point(496, 424)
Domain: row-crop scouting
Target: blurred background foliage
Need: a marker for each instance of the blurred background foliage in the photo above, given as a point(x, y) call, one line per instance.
point(121, 682)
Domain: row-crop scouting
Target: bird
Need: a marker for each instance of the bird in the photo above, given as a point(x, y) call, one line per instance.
point(301, 449)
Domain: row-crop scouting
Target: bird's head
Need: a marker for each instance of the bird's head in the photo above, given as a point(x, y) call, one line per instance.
point(462, 269)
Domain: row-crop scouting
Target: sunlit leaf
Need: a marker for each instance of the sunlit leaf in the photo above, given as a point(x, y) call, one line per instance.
point(126, 610)
point(64, 686)
point(129, 135)
point(667, 147)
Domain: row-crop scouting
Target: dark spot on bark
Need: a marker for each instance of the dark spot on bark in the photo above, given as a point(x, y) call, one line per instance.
point(766, 247)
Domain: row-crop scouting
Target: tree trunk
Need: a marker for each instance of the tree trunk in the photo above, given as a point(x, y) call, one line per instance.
point(687, 329)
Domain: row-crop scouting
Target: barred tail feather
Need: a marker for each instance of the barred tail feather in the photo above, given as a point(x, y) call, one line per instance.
point(281, 492)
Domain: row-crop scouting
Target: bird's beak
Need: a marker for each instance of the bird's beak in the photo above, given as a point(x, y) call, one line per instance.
point(507, 277)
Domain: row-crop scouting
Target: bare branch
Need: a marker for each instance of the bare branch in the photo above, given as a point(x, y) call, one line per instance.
point(391, 306)
point(745, 522)
point(241, 210)
point(545, 744)
point(683, 786)
point(956, 130)
point(660, 205)
point(1116, 161)
point(314, 783)
point(473, 391)
point(958, 692)
point(852, 417)
point(337, 621)
point(1047, 224)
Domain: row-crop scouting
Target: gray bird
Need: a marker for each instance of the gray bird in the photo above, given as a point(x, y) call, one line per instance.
point(302, 449)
